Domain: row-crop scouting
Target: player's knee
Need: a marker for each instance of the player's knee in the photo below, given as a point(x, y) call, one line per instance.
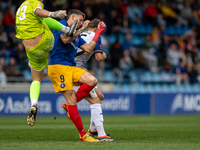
point(93, 81)
point(68, 92)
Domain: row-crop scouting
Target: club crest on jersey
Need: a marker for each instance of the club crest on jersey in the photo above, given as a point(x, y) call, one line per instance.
point(77, 39)
point(62, 85)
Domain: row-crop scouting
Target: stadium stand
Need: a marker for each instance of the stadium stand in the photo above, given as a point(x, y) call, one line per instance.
point(148, 47)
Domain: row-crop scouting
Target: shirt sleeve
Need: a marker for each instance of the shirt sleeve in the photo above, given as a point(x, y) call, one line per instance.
point(37, 4)
point(98, 48)
point(81, 41)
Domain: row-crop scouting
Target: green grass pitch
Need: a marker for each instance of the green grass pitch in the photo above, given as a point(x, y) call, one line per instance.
point(132, 132)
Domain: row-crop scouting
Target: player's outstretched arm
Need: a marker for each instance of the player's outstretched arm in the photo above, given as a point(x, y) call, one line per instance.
point(60, 14)
point(90, 47)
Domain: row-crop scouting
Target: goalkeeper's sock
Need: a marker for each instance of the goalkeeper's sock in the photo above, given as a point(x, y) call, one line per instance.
point(34, 92)
point(76, 118)
point(97, 118)
point(83, 91)
point(55, 25)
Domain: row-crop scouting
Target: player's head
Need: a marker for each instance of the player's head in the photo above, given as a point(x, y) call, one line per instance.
point(94, 24)
point(41, 1)
point(74, 15)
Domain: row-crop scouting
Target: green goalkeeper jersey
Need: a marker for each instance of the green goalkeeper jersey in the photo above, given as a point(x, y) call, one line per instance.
point(28, 24)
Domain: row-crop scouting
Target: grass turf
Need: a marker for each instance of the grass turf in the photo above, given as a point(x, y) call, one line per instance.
point(132, 133)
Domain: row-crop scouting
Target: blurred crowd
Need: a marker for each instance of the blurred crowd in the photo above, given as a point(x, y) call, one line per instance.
point(159, 50)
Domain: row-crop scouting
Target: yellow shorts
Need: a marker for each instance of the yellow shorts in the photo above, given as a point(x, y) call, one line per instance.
point(64, 77)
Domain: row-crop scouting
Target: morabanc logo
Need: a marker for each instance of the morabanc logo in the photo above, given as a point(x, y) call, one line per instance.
point(186, 103)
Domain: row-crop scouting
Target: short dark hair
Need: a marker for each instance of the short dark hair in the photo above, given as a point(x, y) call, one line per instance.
point(76, 12)
point(94, 23)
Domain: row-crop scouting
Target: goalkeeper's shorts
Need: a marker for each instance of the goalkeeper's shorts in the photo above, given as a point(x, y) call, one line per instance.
point(37, 55)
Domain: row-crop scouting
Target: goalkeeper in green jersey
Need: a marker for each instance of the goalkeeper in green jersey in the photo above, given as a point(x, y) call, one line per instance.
point(33, 24)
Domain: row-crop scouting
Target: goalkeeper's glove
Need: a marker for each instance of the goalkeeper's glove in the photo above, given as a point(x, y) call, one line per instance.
point(60, 14)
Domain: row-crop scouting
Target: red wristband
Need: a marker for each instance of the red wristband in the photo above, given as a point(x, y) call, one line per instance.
point(96, 37)
point(98, 33)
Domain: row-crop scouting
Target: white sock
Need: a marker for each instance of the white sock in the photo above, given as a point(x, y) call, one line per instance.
point(92, 126)
point(34, 101)
point(65, 29)
point(101, 131)
point(97, 118)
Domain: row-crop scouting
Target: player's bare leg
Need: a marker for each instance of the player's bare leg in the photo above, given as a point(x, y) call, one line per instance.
point(89, 82)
